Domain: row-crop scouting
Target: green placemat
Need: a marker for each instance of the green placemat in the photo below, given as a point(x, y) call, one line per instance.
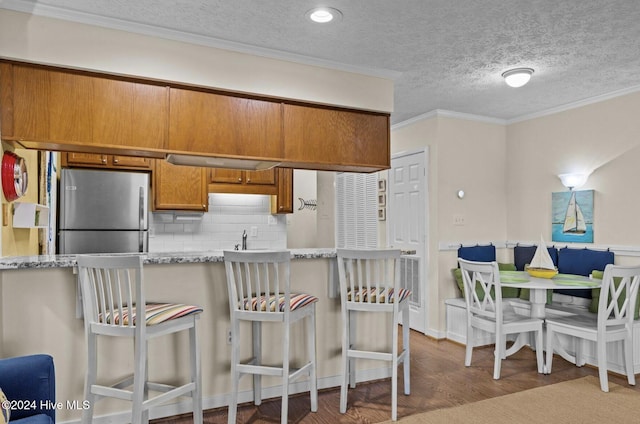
point(563, 282)
point(568, 277)
point(507, 277)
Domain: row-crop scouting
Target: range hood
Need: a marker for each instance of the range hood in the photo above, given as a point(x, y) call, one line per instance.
point(220, 162)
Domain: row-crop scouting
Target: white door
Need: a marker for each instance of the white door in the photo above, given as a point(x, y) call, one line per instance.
point(407, 223)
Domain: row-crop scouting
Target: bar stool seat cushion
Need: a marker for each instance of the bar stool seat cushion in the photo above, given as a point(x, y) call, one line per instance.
point(155, 313)
point(380, 295)
point(297, 300)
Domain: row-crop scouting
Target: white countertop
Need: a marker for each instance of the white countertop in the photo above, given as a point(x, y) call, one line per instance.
point(63, 261)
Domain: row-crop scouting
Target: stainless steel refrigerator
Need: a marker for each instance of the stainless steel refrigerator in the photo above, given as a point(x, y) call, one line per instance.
point(103, 211)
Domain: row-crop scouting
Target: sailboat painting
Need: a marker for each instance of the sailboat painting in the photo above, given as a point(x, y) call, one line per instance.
point(572, 216)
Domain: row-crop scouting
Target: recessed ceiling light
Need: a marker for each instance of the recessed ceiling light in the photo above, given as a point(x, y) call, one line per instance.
point(324, 15)
point(517, 77)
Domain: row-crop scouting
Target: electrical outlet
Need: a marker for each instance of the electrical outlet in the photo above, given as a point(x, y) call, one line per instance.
point(229, 336)
point(254, 231)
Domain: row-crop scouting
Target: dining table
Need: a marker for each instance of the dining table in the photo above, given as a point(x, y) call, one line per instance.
point(538, 287)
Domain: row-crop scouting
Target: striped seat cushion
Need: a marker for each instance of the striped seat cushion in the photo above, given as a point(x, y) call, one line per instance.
point(155, 313)
point(298, 300)
point(376, 295)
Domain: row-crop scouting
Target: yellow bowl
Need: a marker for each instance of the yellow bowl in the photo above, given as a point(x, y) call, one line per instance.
point(542, 272)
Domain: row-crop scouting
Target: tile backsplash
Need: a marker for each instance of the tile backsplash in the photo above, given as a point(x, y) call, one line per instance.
point(220, 228)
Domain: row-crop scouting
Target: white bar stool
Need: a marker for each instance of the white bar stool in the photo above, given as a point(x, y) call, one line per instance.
point(259, 291)
point(113, 298)
point(370, 282)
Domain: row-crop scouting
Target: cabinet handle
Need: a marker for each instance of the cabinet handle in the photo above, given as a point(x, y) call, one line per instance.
point(115, 160)
point(248, 180)
point(240, 179)
point(104, 159)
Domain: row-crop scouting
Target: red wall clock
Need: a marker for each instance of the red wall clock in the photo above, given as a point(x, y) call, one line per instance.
point(14, 176)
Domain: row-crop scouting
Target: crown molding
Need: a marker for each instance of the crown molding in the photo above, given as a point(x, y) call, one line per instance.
point(574, 105)
point(441, 113)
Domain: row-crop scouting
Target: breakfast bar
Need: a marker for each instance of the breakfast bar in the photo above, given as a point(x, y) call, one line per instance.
point(41, 314)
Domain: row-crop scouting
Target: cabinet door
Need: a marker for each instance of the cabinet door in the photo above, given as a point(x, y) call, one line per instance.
point(129, 114)
point(336, 138)
point(93, 159)
point(206, 122)
point(177, 187)
point(283, 201)
point(266, 177)
point(66, 107)
point(50, 105)
point(226, 176)
point(130, 162)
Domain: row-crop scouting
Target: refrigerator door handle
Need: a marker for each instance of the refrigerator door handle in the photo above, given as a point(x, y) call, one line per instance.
point(141, 221)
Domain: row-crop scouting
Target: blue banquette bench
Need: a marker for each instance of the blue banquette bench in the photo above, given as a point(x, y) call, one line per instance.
point(568, 260)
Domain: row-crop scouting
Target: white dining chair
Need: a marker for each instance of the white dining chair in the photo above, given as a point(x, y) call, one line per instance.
point(259, 290)
point(487, 312)
point(370, 282)
point(115, 305)
point(613, 322)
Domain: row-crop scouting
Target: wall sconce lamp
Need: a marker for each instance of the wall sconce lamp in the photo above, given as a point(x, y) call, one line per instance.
point(572, 181)
point(517, 77)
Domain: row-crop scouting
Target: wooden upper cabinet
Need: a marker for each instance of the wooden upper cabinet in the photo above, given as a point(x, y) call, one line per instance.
point(177, 187)
point(85, 159)
point(206, 122)
point(95, 160)
point(75, 109)
point(130, 162)
point(50, 108)
point(226, 176)
point(336, 139)
point(237, 181)
point(282, 202)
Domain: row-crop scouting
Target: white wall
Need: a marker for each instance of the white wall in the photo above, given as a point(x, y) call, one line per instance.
point(463, 154)
point(601, 138)
point(56, 42)
point(302, 223)
point(509, 172)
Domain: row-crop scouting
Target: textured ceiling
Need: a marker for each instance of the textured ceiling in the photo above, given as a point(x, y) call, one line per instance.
point(442, 54)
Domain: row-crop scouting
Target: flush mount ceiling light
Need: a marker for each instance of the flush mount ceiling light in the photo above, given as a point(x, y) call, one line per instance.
point(517, 77)
point(324, 15)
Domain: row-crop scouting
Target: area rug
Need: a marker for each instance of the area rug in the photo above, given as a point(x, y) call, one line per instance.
point(577, 401)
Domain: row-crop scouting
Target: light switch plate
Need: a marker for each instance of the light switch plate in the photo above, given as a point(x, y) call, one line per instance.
point(458, 219)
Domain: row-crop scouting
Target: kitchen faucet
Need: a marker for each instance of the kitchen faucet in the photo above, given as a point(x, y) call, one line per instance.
point(244, 240)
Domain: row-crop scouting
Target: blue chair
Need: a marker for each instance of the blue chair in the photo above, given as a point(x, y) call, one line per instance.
point(30, 378)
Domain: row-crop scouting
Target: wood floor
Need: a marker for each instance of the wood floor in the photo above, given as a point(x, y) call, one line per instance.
point(439, 379)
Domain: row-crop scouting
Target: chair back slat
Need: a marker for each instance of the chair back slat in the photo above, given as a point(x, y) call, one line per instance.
point(618, 296)
point(369, 276)
point(258, 281)
point(112, 289)
point(482, 288)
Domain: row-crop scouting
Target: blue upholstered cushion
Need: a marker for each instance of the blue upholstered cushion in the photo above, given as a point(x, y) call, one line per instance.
point(478, 253)
point(34, 419)
point(30, 378)
point(582, 262)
